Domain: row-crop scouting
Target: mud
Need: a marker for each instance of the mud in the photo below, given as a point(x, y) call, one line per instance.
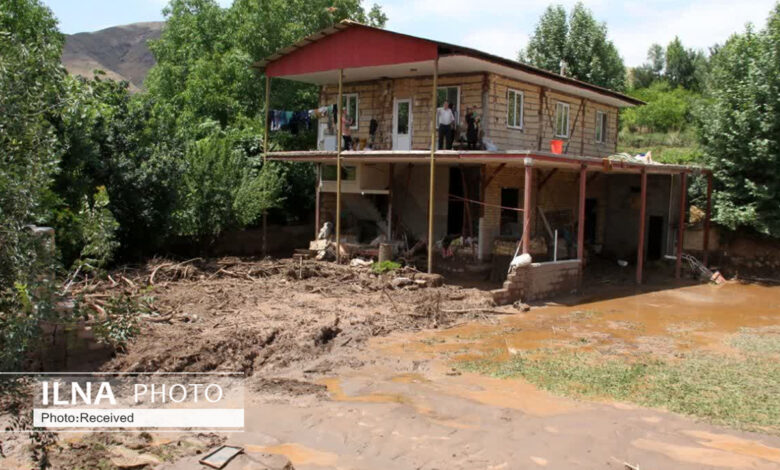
point(341, 377)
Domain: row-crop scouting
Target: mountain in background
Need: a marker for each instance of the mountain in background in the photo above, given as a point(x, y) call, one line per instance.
point(120, 51)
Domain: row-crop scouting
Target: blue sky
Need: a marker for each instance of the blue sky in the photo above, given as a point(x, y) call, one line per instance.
point(501, 27)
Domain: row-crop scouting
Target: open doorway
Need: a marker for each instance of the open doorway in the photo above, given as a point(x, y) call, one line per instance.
point(655, 235)
point(510, 219)
point(591, 211)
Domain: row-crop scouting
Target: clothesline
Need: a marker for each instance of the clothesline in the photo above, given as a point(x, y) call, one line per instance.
point(463, 199)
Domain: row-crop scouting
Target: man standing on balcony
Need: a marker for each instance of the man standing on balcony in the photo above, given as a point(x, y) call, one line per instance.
point(446, 119)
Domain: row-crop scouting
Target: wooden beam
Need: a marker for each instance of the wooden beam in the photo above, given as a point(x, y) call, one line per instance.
point(527, 207)
point(582, 127)
point(707, 215)
point(640, 251)
point(431, 191)
point(546, 178)
point(489, 179)
point(681, 227)
point(338, 165)
point(581, 222)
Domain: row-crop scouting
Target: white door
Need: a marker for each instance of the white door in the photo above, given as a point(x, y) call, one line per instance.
point(402, 124)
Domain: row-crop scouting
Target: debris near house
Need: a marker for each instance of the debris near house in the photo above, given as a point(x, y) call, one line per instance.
point(220, 457)
point(270, 315)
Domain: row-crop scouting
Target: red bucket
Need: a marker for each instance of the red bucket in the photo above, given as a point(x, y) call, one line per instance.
point(556, 146)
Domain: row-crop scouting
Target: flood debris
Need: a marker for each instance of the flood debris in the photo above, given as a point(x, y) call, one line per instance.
point(254, 315)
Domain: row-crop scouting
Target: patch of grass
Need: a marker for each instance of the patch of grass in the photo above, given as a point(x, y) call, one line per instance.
point(584, 314)
point(756, 343)
point(384, 267)
point(740, 392)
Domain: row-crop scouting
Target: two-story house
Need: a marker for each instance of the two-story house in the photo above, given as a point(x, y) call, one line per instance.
point(541, 175)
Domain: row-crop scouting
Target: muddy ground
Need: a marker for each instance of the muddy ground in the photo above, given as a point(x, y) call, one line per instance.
point(340, 375)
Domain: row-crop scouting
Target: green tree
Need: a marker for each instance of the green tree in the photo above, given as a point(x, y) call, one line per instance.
point(652, 70)
point(740, 128)
point(31, 94)
point(684, 67)
point(581, 42)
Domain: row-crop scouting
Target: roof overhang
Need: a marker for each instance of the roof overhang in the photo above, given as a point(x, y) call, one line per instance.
point(365, 53)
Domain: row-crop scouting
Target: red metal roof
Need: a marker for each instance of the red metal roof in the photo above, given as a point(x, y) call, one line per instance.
point(352, 45)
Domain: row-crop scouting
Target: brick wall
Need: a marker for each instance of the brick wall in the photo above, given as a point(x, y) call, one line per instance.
point(539, 281)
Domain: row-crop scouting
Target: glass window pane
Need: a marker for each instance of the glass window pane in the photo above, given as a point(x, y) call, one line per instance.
point(510, 104)
point(403, 118)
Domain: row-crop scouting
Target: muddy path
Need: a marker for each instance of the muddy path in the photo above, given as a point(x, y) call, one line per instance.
point(406, 406)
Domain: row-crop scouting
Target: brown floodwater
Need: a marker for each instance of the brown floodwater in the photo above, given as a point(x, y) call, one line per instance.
point(664, 322)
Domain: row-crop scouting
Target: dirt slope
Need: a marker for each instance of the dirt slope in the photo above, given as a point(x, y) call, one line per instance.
point(121, 51)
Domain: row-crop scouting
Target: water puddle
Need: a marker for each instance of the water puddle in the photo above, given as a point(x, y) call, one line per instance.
point(298, 454)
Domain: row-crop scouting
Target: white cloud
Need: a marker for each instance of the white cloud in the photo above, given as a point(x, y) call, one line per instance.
point(699, 25)
point(503, 26)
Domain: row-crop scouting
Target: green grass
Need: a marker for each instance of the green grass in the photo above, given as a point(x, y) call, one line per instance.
point(749, 342)
point(739, 392)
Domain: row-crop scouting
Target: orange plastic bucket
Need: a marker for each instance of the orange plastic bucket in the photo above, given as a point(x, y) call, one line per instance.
point(556, 146)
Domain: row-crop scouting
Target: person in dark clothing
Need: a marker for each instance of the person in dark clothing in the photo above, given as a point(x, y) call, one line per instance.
point(471, 129)
point(446, 120)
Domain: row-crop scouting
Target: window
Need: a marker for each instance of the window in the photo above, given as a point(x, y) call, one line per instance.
point(348, 173)
point(601, 126)
point(351, 107)
point(562, 119)
point(514, 109)
point(450, 94)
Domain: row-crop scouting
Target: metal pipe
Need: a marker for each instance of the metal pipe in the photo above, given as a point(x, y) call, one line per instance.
point(555, 245)
point(681, 226)
point(433, 163)
point(640, 251)
point(340, 117)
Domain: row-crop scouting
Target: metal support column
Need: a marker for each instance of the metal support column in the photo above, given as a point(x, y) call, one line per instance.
point(640, 250)
point(527, 195)
point(431, 192)
point(266, 143)
point(581, 222)
point(338, 166)
point(707, 216)
point(681, 226)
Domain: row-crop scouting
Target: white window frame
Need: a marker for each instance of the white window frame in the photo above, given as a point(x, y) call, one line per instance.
point(355, 119)
point(513, 103)
point(601, 127)
point(558, 107)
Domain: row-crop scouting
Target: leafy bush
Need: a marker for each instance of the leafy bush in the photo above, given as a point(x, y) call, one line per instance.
point(667, 109)
point(384, 267)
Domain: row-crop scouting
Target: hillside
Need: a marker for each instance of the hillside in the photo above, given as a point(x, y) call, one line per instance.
point(120, 51)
